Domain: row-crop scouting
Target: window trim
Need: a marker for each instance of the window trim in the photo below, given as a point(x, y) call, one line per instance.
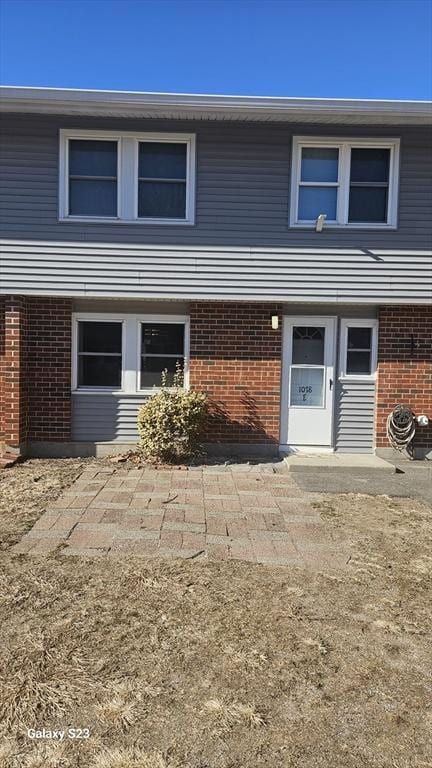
point(127, 175)
point(345, 144)
point(345, 324)
point(131, 350)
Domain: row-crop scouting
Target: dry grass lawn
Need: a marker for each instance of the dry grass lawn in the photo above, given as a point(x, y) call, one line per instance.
point(197, 664)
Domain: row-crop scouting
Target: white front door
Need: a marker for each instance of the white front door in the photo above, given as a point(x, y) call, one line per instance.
point(308, 382)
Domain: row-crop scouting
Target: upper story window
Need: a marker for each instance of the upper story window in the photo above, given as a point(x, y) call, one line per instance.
point(127, 177)
point(92, 178)
point(354, 182)
point(162, 170)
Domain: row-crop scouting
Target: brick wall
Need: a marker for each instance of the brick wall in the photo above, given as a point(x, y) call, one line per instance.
point(404, 375)
point(49, 368)
point(236, 359)
point(13, 373)
point(2, 369)
point(35, 369)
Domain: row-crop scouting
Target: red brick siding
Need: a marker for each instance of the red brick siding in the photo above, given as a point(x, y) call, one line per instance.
point(404, 376)
point(236, 359)
point(13, 373)
point(49, 368)
point(35, 369)
point(2, 356)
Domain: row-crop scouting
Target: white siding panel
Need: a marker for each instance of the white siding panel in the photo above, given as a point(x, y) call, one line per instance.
point(170, 272)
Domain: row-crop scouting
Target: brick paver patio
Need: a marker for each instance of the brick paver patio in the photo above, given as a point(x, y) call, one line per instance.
point(244, 512)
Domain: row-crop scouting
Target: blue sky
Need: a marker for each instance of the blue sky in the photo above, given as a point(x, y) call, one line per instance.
point(333, 48)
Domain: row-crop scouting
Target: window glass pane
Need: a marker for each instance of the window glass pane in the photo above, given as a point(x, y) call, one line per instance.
point(99, 371)
point(358, 362)
point(164, 200)
point(92, 198)
point(316, 200)
point(370, 164)
point(319, 164)
point(162, 160)
point(92, 158)
point(162, 338)
point(307, 386)
point(99, 337)
point(368, 204)
point(359, 338)
point(308, 345)
point(152, 367)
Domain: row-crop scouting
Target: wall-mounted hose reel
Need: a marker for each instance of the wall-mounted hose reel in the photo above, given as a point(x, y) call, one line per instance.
point(401, 427)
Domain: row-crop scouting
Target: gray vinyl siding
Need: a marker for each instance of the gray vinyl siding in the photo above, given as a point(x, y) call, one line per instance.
point(159, 272)
point(105, 418)
point(355, 417)
point(243, 173)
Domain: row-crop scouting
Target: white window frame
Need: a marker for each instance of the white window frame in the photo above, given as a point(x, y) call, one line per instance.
point(347, 323)
point(131, 350)
point(127, 175)
point(344, 145)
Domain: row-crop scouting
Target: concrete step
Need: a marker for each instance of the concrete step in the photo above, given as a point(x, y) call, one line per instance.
point(357, 463)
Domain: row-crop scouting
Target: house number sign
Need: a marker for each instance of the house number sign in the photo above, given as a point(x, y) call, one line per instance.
point(307, 386)
point(305, 391)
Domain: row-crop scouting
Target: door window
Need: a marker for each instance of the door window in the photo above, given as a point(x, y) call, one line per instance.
point(307, 366)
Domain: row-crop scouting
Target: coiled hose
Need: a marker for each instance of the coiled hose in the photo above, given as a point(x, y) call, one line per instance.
point(401, 427)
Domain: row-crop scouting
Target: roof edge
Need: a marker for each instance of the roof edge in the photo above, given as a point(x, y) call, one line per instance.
point(61, 99)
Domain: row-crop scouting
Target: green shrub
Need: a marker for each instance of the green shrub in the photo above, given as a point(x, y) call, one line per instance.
point(171, 422)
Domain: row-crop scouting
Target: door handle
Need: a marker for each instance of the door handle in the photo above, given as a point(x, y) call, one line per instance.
point(331, 383)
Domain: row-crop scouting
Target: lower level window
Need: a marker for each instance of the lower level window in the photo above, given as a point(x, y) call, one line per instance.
point(99, 354)
point(129, 353)
point(358, 352)
point(162, 349)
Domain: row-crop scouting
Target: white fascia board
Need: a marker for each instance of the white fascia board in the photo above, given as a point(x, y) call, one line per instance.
point(72, 101)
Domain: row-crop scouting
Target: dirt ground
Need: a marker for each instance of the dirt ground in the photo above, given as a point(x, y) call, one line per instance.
point(195, 664)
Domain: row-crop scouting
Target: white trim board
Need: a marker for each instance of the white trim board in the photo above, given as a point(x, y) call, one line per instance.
point(156, 273)
point(213, 106)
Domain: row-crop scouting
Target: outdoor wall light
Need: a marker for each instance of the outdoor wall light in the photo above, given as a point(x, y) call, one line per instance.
point(275, 322)
point(319, 224)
